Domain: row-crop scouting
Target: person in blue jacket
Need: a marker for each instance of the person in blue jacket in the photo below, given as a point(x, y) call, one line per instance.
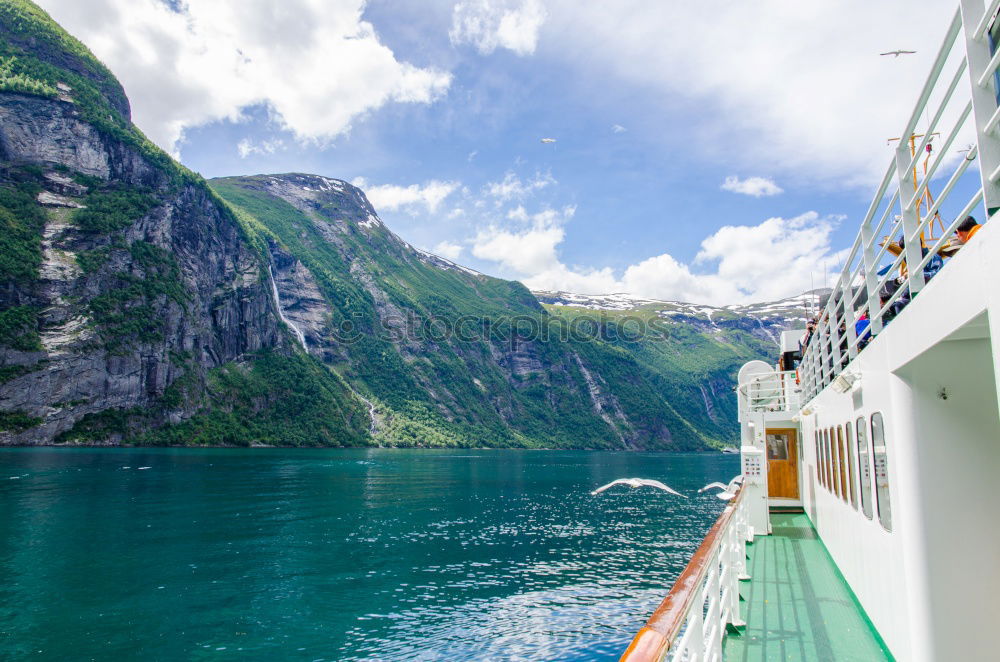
point(862, 331)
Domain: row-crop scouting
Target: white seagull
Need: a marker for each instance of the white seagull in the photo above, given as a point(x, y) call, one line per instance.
point(548, 141)
point(897, 53)
point(638, 482)
point(728, 491)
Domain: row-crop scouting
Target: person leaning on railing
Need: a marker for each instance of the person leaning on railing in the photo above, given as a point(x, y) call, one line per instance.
point(930, 270)
point(967, 230)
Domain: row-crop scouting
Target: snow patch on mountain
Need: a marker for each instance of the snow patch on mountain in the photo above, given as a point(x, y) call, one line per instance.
point(764, 319)
point(443, 263)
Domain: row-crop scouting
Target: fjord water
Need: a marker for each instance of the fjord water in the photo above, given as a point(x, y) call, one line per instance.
point(364, 554)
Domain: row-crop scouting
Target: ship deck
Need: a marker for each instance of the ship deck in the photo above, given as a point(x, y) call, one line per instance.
point(797, 605)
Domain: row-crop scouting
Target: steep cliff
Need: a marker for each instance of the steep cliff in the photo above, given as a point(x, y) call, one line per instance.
point(129, 297)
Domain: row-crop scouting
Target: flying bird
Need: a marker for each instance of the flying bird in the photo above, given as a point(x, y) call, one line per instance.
point(897, 53)
point(638, 482)
point(970, 152)
point(728, 491)
point(548, 141)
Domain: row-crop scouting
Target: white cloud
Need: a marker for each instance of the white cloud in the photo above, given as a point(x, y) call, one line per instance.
point(736, 264)
point(618, 128)
point(246, 147)
point(529, 252)
point(518, 213)
point(492, 24)
point(744, 263)
point(390, 197)
point(315, 64)
point(448, 249)
point(757, 187)
point(802, 92)
point(513, 187)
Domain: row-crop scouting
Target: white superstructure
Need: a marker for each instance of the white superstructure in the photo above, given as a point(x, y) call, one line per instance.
point(898, 442)
point(883, 426)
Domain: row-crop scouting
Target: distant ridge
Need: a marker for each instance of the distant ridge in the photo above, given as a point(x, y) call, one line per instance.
point(765, 319)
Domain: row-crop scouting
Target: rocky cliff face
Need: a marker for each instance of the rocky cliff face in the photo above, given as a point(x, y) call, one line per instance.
point(130, 297)
point(121, 314)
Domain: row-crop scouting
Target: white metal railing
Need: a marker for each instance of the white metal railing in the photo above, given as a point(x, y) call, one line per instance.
point(867, 287)
point(691, 622)
point(772, 392)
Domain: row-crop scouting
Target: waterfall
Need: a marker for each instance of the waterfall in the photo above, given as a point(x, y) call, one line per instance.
point(373, 422)
point(277, 302)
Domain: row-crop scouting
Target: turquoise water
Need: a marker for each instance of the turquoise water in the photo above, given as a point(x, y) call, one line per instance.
point(226, 554)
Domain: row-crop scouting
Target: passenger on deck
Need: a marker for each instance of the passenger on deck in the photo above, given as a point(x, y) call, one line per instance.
point(930, 270)
point(842, 334)
point(967, 230)
point(810, 330)
point(933, 265)
point(862, 330)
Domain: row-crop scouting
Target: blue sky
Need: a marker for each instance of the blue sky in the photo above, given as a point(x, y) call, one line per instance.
point(437, 107)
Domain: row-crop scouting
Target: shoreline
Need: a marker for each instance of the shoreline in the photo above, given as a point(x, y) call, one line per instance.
point(402, 448)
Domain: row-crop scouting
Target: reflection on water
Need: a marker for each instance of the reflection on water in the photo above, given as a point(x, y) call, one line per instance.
point(339, 555)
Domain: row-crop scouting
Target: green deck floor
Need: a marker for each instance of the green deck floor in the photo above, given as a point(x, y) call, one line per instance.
point(797, 606)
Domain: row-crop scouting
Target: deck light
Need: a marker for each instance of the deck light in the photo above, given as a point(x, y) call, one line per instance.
point(844, 382)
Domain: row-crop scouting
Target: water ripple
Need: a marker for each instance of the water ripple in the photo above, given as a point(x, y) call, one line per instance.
point(338, 555)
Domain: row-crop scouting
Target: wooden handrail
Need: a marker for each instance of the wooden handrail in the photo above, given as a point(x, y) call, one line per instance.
point(654, 640)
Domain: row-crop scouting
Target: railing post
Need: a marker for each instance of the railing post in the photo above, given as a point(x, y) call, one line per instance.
point(745, 535)
point(712, 643)
point(696, 630)
point(871, 280)
point(984, 103)
point(831, 316)
point(849, 317)
point(810, 380)
point(737, 565)
point(822, 337)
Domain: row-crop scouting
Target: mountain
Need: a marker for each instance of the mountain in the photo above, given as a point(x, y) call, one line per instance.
point(448, 356)
point(765, 320)
point(698, 349)
point(132, 305)
point(141, 304)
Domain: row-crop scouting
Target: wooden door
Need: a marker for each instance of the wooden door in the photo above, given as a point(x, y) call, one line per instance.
point(782, 464)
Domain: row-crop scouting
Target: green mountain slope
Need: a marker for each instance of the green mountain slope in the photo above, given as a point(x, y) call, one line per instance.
point(453, 356)
point(704, 346)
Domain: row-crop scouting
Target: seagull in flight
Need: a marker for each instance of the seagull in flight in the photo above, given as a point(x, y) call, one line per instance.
point(638, 482)
point(548, 141)
point(897, 53)
point(728, 491)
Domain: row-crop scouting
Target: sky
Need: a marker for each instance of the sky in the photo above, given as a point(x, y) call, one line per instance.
point(717, 151)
